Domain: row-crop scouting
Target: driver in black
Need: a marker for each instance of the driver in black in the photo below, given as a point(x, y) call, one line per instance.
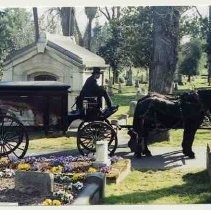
point(92, 89)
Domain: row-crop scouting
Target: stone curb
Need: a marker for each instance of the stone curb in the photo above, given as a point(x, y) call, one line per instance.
point(94, 192)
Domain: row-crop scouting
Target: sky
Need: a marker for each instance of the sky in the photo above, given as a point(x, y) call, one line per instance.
point(81, 17)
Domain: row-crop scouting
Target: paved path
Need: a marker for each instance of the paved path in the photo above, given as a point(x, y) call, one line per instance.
point(163, 157)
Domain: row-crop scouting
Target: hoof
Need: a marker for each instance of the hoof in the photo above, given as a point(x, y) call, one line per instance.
point(137, 155)
point(147, 153)
point(190, 154)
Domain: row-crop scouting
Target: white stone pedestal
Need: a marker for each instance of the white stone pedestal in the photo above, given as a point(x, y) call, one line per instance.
point(102, 154)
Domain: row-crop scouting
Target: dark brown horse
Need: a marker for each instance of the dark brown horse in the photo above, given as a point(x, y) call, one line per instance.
point(156, 111)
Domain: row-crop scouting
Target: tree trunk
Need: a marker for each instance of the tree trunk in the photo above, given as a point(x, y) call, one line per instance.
point(67, 21)
point(115, 75)
point(165, 42)
point(89, 34)
point(36, 25)
point(209, 48)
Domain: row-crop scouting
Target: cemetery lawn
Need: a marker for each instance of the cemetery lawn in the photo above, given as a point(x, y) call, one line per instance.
point(161, 187)
point(46, 145)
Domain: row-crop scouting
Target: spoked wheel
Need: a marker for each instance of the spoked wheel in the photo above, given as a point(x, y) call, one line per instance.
point(14, 139)
point(91, 132)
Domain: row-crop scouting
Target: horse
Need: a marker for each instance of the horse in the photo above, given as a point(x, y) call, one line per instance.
point(156, 111)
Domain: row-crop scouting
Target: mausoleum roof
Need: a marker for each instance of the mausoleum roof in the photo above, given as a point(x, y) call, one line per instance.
point(64, 46)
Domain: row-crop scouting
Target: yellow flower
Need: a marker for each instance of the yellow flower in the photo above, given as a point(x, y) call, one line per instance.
point(56, 169)
point(24, 166)
point(92, 170)
point(4, 160)
point(56, 203)
point(47, 202)
point(76, 177)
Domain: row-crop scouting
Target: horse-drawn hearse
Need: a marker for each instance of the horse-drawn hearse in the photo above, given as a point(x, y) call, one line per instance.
point(46, 103)
point(43, 106)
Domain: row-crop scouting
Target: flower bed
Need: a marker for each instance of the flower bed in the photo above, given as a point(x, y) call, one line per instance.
point(69, 177)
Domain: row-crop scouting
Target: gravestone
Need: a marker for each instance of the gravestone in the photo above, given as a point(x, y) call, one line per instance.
point(137, 83)
point(33, 182)
point(110, 89)
point(129, 76)
point(140, 93)
point(132, 106)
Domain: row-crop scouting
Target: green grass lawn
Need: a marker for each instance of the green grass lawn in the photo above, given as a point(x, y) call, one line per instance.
point(52, 144)
point(161, 187)
point(176, 136)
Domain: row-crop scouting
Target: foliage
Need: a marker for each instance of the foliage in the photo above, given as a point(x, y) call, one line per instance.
point(137, 35)
point(193, 26)
point(191, 54)
point(20, 26)
point(111, 50)
point(127, 40)
point(16, 30)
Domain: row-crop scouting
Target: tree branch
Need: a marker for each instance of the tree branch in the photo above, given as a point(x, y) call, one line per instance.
point(113, 12)
point(199, 14)
point(104, 13)
point(106, 8)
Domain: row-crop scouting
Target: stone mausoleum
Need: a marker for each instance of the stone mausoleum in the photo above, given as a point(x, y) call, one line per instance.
point(54, 58)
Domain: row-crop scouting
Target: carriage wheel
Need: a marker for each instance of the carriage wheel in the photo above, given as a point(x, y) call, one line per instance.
point(14, 139)
point(89, 133)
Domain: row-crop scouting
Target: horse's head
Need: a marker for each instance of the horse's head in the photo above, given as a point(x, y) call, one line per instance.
point(193, 104)
point(133, 142)
point(205, 96)
point(190, 97)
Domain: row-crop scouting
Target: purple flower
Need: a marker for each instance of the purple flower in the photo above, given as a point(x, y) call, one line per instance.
point(67, 168)
point(105, 169)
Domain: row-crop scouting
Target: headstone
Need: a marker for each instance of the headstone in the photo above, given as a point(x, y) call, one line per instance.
point(132, 106)
point(175, 86)
point(110, 89)
point(140, 94)
point(129, 81)
point(137, 83)
point(33, 182)
point(102, 154)
point(180, 79)
point(120, 88)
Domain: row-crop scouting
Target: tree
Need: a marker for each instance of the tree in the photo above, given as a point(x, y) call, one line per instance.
point(90, 13)
point(20, 26)
point(16, 30)
point(36, 24)
point(127, 40)
point(137, 35)
point(208, 49)
point(191, 54)
point(111, 49)
point(67, 15)
point(164, 53)
point(112, 13)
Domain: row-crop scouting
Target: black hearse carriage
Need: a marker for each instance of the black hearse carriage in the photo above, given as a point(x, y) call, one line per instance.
point(43, 105)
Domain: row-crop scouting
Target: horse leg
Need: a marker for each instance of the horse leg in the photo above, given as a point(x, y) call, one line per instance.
point(138, 125)
point(188, 138)
point(146, 150)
